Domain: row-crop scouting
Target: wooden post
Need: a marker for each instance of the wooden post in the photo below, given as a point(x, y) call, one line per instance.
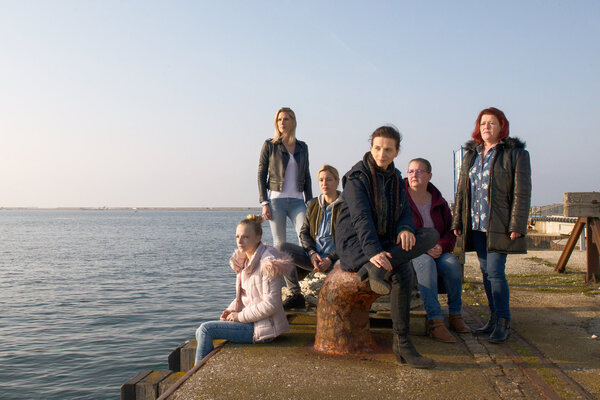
point(585, 206)
point(187, 355)
point(128, 388)
point(147, 388)
point(343, 314)
point(175, 357)
point(566, 253)
point(592, 243)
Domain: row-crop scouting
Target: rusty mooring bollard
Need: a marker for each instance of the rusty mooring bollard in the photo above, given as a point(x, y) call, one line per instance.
point(343, 314)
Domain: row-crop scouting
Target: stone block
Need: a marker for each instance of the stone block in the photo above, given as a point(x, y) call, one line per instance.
point(582, 204)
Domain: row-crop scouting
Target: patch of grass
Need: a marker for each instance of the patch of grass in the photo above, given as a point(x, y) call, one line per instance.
point(569, 282)
point(573, 282)
point(541, 261)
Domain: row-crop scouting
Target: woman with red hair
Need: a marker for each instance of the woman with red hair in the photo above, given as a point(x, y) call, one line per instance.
point(491, 210)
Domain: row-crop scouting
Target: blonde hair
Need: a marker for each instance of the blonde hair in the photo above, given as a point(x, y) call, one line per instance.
point(331, 170)
point(278, 135)
point(255, 221)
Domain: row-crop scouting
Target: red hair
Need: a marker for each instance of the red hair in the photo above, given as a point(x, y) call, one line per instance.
point(476, 135)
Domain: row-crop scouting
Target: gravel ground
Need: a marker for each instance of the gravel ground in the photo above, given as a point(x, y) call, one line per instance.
point(530, 263)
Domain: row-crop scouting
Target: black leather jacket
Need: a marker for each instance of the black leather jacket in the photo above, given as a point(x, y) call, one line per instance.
point(509, 197)
point(272, 164)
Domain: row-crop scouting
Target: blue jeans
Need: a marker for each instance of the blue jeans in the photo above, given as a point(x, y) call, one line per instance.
point(283, 208)
point(427, 269)
point(236, 332)
point(492, 266)
point(301, 260)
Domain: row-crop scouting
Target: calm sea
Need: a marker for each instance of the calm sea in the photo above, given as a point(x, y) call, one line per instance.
point(90, 298)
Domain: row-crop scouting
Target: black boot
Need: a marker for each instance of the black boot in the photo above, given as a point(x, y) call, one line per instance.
point(501, 332)
point(488, 327)
point(376, 278)
point(294, 301)
point(406, 353)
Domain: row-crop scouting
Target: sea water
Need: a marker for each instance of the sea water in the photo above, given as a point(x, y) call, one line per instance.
point(90, 298)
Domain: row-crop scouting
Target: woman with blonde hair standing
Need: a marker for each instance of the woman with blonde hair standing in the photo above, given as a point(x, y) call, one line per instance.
point(284, 182)
point(491, 210)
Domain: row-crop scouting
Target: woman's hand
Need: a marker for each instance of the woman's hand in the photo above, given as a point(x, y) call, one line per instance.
point(324, 265)
point(266, 212)
point(315, 260)
point(223, 316)
point(515, 235)
point(457, 232)
point(382, 260)
point(407, 239)
point(233, 316)
point(435, 251)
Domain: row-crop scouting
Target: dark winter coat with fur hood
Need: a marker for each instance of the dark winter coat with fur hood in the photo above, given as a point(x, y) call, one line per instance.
point(262, 278)
point(509, 196)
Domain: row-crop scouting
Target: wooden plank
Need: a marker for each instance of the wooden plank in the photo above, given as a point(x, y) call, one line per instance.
point(128, 388)
point(188, 355)
point(566, 253)
point(175, 358)
point(166, 383)
point(593, 263)
point(582, 204)
point(595, 224)
point(301, 317)
point(147, 388)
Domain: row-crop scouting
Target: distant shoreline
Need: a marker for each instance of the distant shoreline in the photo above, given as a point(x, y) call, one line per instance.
point(132, 208)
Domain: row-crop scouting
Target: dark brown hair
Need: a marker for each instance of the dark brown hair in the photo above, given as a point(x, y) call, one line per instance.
point(387, 131)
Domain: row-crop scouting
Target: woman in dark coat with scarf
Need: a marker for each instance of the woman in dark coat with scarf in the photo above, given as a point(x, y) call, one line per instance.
point(491, 210)
point(376, 237)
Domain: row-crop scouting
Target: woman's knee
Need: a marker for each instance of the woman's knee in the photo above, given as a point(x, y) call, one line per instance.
point(495, 266)
point(424, 266)
point(449, 265)
point(203, 330)
point(427, 237)
point(200, 331)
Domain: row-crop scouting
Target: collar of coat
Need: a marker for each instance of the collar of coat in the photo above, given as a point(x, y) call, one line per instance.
point(436, 195)
point(275, 264)
point(321, 199)
point(508, 142)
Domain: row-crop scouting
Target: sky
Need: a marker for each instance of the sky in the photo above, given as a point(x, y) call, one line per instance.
point(167, 103)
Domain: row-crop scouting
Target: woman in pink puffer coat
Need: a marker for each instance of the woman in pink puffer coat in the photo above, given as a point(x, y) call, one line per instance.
point(256, 314)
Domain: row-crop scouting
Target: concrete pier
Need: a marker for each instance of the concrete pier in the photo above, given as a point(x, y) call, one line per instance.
point(554, 350)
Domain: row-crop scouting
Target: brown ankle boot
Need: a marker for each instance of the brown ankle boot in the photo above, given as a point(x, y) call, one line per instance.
point(438, 331)
point(457, 324)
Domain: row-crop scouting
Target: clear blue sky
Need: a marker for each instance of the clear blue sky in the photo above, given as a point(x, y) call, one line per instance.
point(167, 103)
